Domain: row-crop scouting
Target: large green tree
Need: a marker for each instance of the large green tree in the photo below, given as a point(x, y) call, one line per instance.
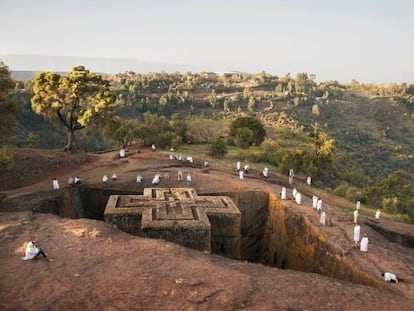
point(77, 100)
point(8, 108)
point(251, 123)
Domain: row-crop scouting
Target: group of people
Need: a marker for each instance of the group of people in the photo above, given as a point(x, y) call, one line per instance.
point(180, 176)
point(389, 277)
point(297, 197)
point(246, 169)
point(71, 181)
point(105, 178)
point(188, 159)
point(156, 180)
point(357, 228)
point(318, 205)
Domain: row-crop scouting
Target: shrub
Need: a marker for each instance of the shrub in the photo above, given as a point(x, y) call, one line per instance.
point(259, 132)
point(218, 148)
point(390, 205)
point(6, 157)
point(352, 194)
point(341, 190)
point(244, 137)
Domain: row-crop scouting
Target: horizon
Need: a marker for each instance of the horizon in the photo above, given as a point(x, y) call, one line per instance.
point(367, 42)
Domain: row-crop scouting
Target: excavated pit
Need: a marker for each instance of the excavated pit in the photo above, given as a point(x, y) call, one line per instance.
point(270, 232)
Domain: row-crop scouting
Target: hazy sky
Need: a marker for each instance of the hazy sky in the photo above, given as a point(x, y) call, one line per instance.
point(366, 40)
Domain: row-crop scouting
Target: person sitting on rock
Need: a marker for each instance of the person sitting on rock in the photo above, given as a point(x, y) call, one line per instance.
point(114, 177)
point(390, 277)
point(33, 251)
point(77, 180)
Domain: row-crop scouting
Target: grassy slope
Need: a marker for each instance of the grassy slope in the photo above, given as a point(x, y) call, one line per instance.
point(374, 133)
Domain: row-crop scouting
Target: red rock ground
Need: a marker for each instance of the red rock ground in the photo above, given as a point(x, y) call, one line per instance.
point(96, 267)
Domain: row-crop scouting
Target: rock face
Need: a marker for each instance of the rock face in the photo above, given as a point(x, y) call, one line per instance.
point(206, 223)
point(276, 236)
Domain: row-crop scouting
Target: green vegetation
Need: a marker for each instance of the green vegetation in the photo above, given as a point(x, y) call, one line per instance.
point(8, 107)
point(352, 139)
point(247, 131)
point(395, 194)
point(218, 148)
point(77, 100)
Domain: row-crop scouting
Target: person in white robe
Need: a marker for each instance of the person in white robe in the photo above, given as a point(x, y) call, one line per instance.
point(105, 179)
point(319, 205)
point(122, 153)
point(180, 175)
point(298, 198)
point(355, 216)
point(265, 172)
point(314, 201)
point(364, 244)
point(309, 180)
point(358, 205)
point(294, 191)
point(190, 159)
point(114, 177)
point(238, 165)
point(323, 219)
point(291, 175)
point(377, 214)
point(241, 175)
point(189, 179)
point(55, 184)
point(77, 180)
point(246, 168)
point(156, 179)
point(283, 194)
point(357, 233)
point(139, 178)
point(390, 277)
point(33, 251)
point(153, 147)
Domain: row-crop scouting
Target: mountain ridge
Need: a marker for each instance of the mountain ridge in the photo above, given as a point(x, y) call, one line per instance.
point(39, 63)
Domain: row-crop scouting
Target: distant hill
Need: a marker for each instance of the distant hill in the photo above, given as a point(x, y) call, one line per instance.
point(23, 75)
point(36, 63)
